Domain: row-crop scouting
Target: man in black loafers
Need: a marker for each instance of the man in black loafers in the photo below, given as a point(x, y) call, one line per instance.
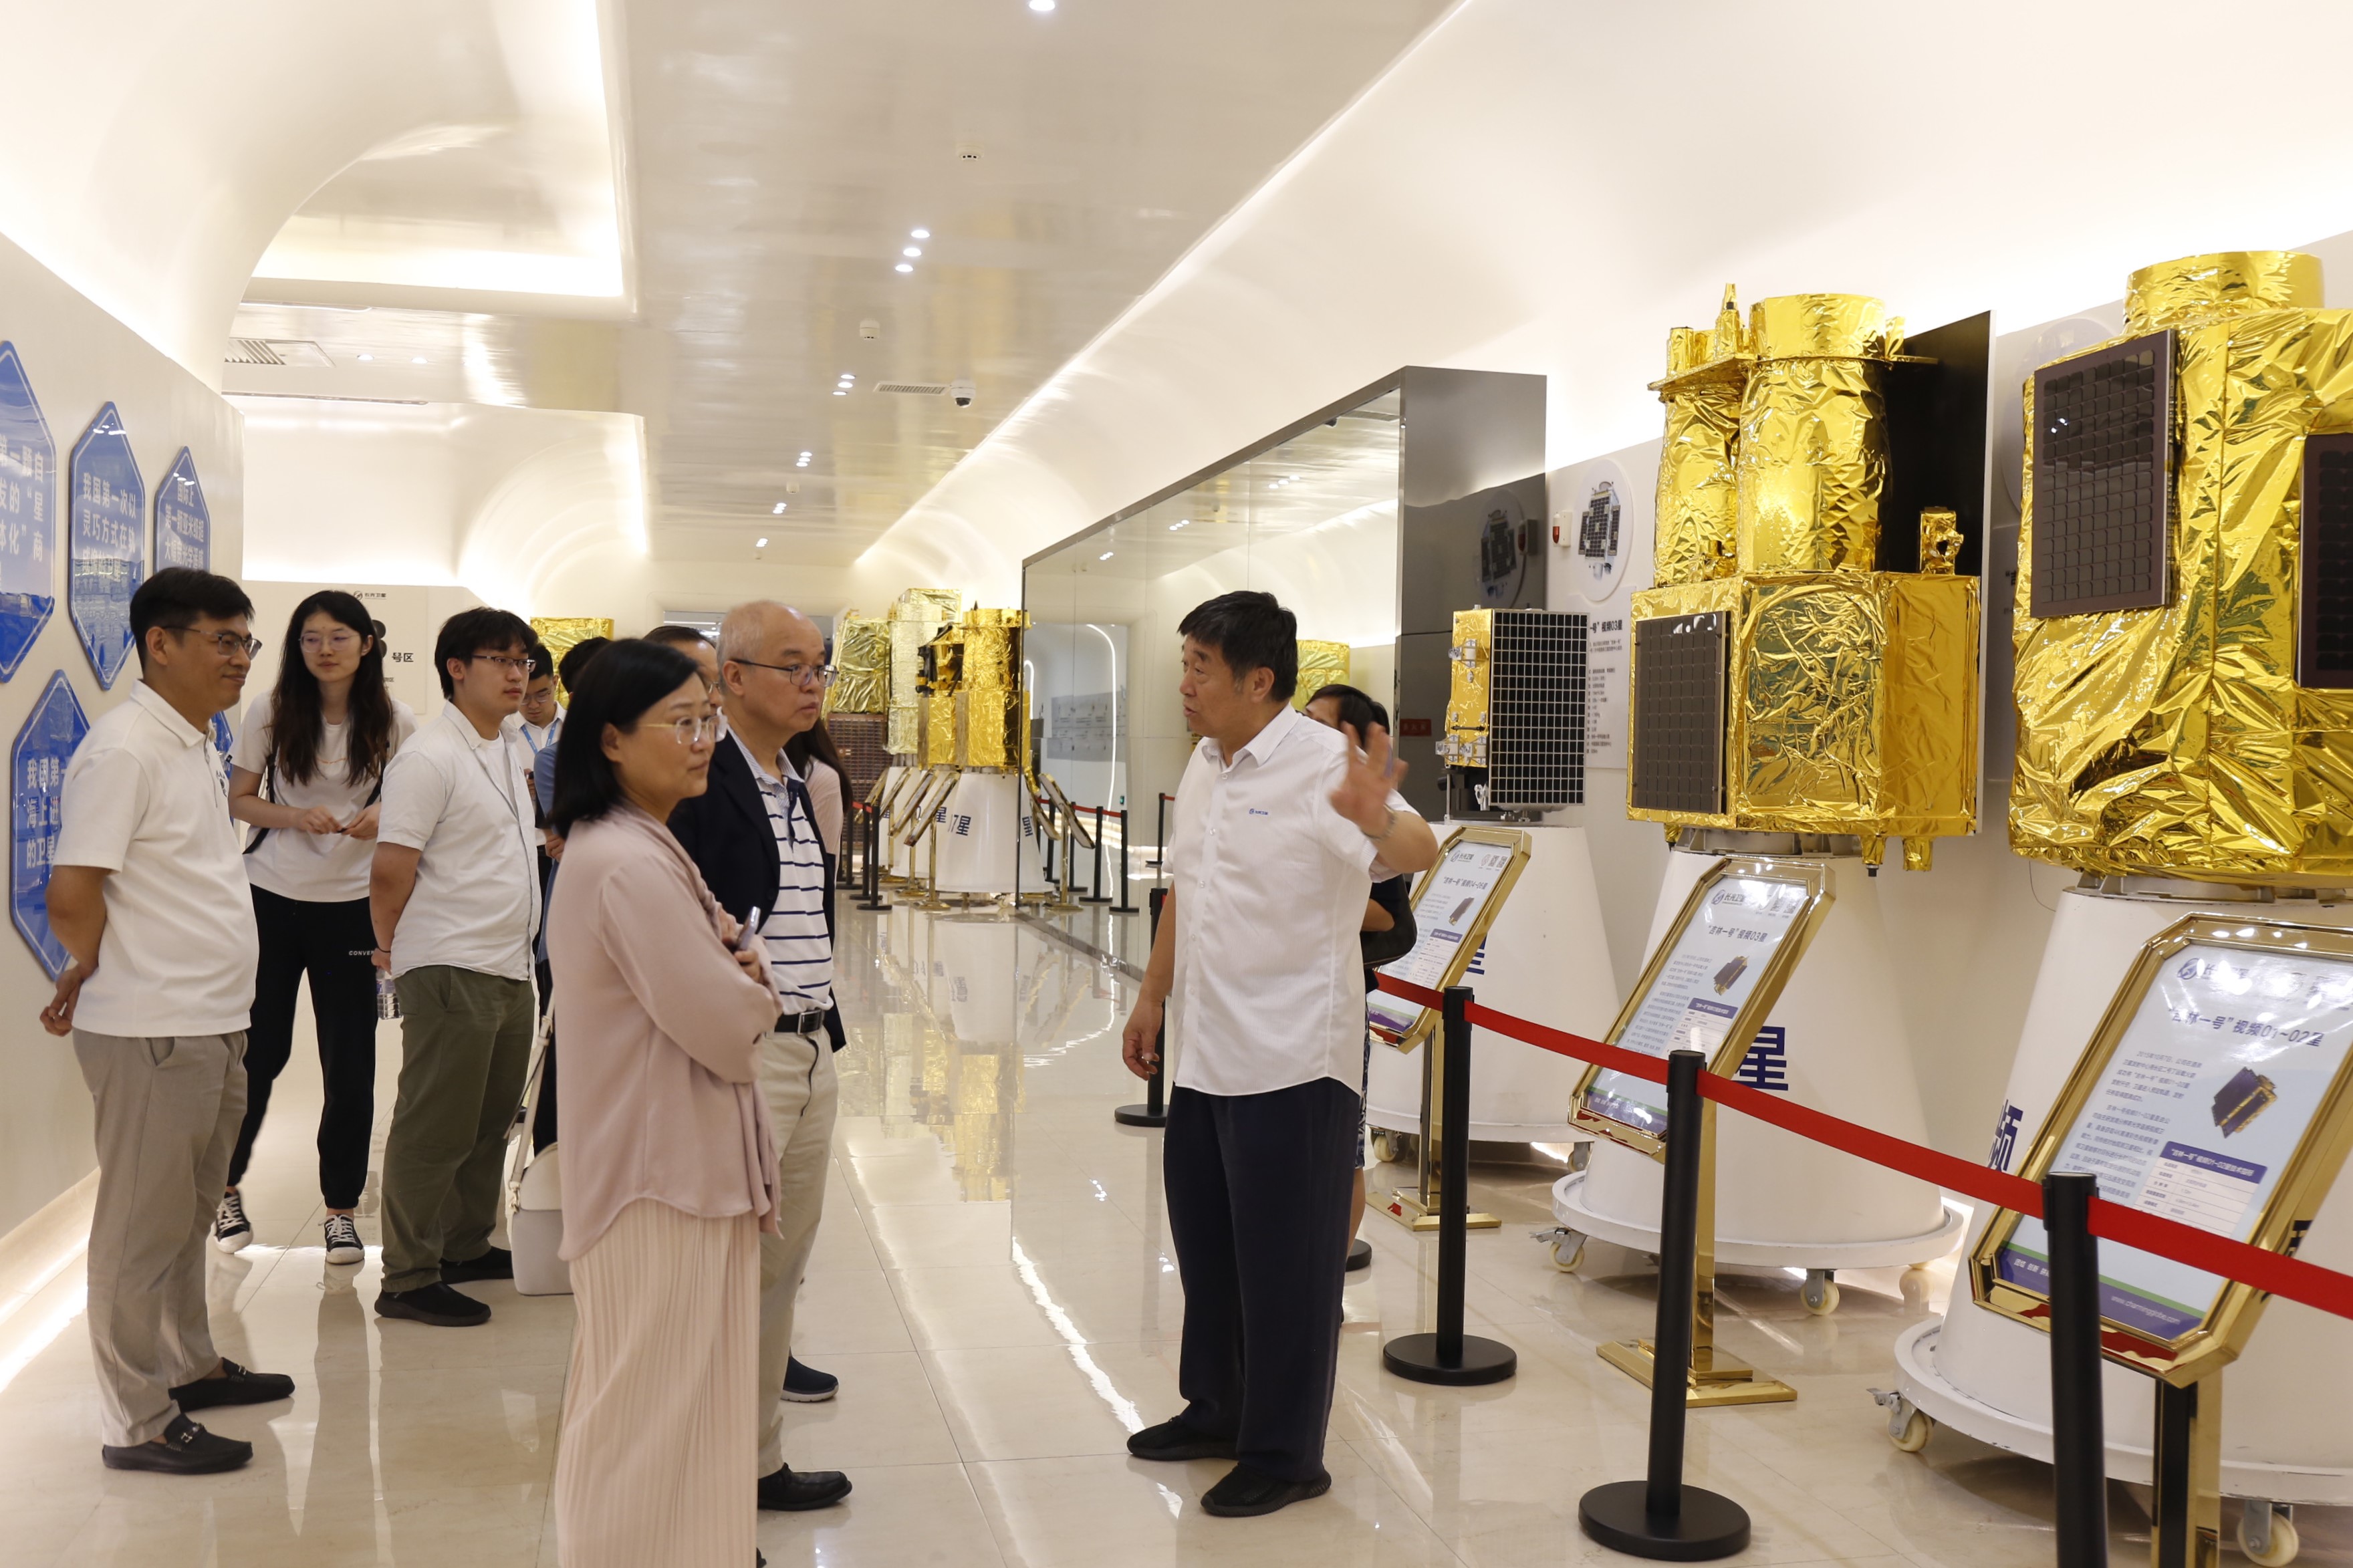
point(1280, 828)
point(147, 895)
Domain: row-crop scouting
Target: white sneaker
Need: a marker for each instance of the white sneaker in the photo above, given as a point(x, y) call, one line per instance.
point(343, 1240)
point(231, 1233)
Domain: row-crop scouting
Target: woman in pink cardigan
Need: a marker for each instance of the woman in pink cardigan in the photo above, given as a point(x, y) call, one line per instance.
point(669, 1172)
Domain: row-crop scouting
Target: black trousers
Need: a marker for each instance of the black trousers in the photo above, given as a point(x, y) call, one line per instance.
point(1258, 1186)
point(331, 943)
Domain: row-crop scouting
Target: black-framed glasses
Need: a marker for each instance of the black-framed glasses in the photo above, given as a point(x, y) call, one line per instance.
point(801, 675)
point(229, 643)
point(523, 666)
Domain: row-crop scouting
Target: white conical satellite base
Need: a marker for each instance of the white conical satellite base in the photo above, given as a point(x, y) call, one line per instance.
point(1782, 1201)
point(2286, 1435)
point(1545, 960)
point(982, 829)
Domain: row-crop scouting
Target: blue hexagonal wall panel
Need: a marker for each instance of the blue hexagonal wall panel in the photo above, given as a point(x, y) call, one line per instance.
point(107, 558)
point(183, 523)
point(37, 787)
point(28, 515)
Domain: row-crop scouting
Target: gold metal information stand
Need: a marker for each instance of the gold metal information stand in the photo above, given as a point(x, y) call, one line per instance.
point(1708, 987)
point(2217, 1091)
point(1455, 904)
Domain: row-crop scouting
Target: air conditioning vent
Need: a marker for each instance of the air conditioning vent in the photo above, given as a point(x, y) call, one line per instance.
point(915, 388)
point(300, 352)
point(249, 351)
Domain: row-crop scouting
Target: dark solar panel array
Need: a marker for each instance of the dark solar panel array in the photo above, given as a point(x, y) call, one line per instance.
point(2324, 600)
point(1678, 763)
point(1535, 711)
point(2104, 480)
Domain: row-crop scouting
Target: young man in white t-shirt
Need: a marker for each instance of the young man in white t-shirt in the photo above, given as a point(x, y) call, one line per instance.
point(148, 897)
point(1279, 829)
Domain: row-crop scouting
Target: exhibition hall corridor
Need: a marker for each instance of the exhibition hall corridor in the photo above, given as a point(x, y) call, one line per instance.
point(993, 1285)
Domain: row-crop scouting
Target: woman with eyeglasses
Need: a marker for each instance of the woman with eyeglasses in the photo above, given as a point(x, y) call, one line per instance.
point(670, 1167)
point(306, 772)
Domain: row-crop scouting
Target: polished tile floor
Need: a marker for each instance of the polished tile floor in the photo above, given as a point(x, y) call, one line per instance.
point(993, 1285)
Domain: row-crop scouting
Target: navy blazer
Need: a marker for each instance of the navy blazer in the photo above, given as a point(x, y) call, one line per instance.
point(726, 834)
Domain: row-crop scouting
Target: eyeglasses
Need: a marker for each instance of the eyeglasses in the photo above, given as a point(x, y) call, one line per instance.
point(513, 665)
point(229, 643)
point(692, 728)
point(801, 675)
point(337, 642)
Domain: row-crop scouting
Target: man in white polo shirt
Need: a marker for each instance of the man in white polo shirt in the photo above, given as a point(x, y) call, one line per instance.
point(1280, 828)
point(454, 892)
point(147, 895)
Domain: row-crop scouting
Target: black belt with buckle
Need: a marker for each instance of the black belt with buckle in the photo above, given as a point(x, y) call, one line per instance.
point(801, 1023)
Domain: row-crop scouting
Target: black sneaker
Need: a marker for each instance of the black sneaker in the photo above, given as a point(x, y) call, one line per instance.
point(186, 1450)
point(231, 1233)
point(1175, 1440)
point(498, 1263)
point(237, 1385)
point(798, 1491)
point(1246, 1493)
point(806, 1385)
point(343, 1240)
point(434, 1304)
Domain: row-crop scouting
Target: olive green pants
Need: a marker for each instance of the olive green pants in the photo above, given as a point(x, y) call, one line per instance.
point(465, 1048)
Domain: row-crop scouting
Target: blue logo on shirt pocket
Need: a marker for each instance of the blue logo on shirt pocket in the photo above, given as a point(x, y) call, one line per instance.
point(1256, 812)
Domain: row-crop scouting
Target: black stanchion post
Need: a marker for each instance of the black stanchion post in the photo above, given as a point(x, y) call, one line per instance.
point(1159, 829)
point(870, 874)
point(1658, 1517)
point(1098, 896)
point(1154, 1111)
point(2079, 1447)
point(1449, 1356)
point(1126, 905)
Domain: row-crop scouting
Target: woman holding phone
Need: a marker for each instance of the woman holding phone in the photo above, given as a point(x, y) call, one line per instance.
point(305, 773)
point(669, 1166)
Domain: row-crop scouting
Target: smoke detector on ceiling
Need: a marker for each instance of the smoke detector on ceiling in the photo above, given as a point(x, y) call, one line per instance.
point(870, 330)
point(969, 152)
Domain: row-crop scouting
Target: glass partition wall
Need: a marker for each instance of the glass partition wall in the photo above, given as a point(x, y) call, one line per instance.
point(1312, 518)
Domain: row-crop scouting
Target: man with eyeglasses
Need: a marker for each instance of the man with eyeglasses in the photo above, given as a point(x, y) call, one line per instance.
point(454, 893)
point(147, 896)
point(754, 835)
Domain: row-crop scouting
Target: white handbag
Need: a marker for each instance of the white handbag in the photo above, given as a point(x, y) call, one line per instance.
point(535, 1189)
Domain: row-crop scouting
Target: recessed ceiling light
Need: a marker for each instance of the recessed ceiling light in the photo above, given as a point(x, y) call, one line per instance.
point(778, 510)
point(912, 250)
point(906, 267)
point(1181, 523)
point(847, 375)
point(759, 544)
point(1106, 554)
point(1041, 6)
point(364, 358)
point(840, 392)
point(418, 360)
point(806, 455)
point(919, 234)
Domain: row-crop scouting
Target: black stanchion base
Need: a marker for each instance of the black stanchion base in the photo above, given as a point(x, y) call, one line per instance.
point(1125, 910)
point(1094, 899)
point(1618, 1517)
point(1415, 1356)
point(1360, 1255)
point(1139, 1116)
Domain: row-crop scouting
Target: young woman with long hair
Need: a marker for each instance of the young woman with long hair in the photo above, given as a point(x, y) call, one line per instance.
point(305, 773)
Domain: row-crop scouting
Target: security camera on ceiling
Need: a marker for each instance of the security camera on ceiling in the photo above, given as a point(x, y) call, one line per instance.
point(963, 391)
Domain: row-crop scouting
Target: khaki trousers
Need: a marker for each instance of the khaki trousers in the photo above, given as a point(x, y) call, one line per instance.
point(168, 1112)
point(796, 1079)
point(465, 1049)
point(659, 1408)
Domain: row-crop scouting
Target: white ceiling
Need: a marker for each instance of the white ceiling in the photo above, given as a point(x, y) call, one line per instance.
point(773, 163)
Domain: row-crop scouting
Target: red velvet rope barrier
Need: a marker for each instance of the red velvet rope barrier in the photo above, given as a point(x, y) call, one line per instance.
point(2267, 1271)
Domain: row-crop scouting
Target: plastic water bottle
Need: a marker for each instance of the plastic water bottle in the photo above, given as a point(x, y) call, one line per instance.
point(387, 998)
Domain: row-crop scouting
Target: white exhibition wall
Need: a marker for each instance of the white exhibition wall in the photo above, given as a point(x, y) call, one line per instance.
point(77, 359)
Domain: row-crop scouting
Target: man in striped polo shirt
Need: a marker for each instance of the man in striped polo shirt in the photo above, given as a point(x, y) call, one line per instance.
point(754, 835)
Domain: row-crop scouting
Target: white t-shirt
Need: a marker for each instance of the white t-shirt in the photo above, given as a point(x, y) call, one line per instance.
point(145, 799)
point(1270, 884)
point(316, 867)
point(464, 802)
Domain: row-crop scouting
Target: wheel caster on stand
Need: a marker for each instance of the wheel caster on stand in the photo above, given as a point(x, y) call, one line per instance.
point(1567, 1247)
point(2267, 1534)
point(1914, 1285)
point(1908, 1426)
point(1390, 1147)
point(1821, 1293)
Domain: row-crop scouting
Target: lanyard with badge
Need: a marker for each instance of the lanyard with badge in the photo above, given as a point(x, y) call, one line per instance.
point(507, 799)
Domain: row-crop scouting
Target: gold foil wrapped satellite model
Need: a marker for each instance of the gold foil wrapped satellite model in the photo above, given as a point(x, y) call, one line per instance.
point(916, 618)
point(975, 709)
point(1321, 663)
point(1781, 682)
point(2184, 631)
point(862, 666)
point(1515, 709)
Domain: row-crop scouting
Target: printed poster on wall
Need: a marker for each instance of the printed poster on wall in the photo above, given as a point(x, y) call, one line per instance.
point(1718, 957)
point(106, 546)
point(28, 515)
point(37, 776)
point(1456, 898)
point(183, 523)
point(2197, 1115)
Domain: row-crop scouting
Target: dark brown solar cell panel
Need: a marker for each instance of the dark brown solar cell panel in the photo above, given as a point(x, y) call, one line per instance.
point(2324, 567)
point(2104, 480)
point(1679, 674)
point(1535, 712)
